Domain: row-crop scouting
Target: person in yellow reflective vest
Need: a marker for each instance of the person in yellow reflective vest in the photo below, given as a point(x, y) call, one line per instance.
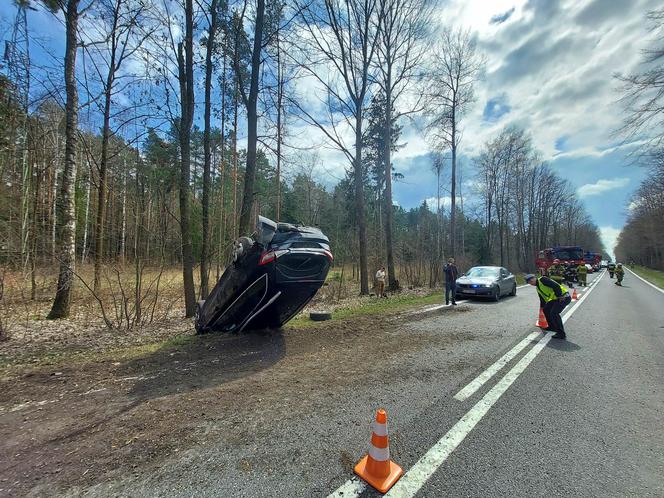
point(582, 274)
point(554, 297)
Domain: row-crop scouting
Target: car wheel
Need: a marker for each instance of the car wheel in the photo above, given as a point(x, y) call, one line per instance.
point(496, 294)
point(513, 293)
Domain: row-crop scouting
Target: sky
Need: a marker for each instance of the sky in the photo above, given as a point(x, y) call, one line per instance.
point(550, 69)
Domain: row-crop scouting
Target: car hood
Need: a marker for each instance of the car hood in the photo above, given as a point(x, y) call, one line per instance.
point(476, 280)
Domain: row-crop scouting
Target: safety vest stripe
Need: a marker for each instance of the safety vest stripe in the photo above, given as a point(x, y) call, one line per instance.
point(379, 454)
point(379, 429)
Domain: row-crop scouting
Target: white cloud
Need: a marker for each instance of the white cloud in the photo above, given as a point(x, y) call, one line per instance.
point(609, 236)
point(601, 186)
point(554, 64)
point(445, 202)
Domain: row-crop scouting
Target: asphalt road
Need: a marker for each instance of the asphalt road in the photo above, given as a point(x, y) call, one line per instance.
point(585, 418)
point(575, 418)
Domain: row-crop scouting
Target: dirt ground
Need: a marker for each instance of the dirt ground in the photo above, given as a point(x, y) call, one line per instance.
point(66, 428)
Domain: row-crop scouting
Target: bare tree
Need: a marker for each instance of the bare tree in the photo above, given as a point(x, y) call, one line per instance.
point(209, 49)
point(400, 51)
point(438, 166)
point(641, 240)
point(116, 22)
point(455, 67)
point(338, 52)
point(643, 92)
point(250, 100)
point(67, 202)
point(186, 81)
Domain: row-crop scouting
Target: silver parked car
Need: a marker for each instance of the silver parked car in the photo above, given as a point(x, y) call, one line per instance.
point(486, 281)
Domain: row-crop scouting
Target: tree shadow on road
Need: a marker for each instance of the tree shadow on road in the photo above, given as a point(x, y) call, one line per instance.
point(565, 345)
point(204, 361)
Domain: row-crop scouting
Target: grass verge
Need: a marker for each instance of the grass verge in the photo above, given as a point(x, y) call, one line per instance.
point(371, 306)
point(655, 277)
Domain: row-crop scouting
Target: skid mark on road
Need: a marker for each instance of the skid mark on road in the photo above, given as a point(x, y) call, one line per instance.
point(433, 307)
point(417, 476)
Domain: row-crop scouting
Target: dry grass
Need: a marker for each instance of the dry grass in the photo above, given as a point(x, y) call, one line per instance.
point(31, 339)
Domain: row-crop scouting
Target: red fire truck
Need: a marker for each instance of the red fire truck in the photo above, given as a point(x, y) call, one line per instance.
point(593, 259)
point(566, 255)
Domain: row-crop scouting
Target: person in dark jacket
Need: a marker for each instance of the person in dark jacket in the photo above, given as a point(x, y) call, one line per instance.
point(554, 297)
point(451, 274)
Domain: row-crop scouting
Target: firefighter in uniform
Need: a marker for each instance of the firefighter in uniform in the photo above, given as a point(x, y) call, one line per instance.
point(556, 271)
point(554, 297)
point(620, 274)
point(569, 274)
point(582, 275)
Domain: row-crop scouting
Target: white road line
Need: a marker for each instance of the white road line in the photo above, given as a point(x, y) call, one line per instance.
point(425, 467)
point(645, 281)
point(415, 478)
point(352, 487)
point(481, 379)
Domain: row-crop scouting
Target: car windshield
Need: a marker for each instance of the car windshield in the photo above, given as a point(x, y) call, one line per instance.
point(483, 272)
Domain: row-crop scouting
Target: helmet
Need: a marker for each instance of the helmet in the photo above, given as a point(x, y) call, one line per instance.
point(556, 261)
point(619, 265)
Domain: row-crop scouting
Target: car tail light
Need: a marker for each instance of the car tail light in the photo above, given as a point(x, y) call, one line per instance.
point(269, 256)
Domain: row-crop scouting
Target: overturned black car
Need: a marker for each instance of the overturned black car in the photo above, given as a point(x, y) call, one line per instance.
point(274, 274)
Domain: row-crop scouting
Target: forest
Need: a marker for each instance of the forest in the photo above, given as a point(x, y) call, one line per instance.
point(641, 240)
point(170, 125)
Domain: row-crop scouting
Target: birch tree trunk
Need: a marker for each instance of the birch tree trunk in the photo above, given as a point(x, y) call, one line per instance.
point(67, 207)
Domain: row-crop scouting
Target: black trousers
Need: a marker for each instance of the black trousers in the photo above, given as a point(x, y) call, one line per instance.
point(552, 311)
point(450, 288)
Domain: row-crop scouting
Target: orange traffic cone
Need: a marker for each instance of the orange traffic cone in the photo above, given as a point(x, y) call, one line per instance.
point(542, 323)
point(574, 296)
point(376, 468)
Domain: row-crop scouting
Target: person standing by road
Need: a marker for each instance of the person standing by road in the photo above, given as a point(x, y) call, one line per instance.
point(620, 274)
point(555, 271)
point(451, 274)
point(582, 275)
point(380, 282)
point(554, 297)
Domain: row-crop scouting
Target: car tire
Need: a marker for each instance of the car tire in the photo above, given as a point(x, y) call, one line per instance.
point(496, 294)
point(320, 317)
point(513, 293)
